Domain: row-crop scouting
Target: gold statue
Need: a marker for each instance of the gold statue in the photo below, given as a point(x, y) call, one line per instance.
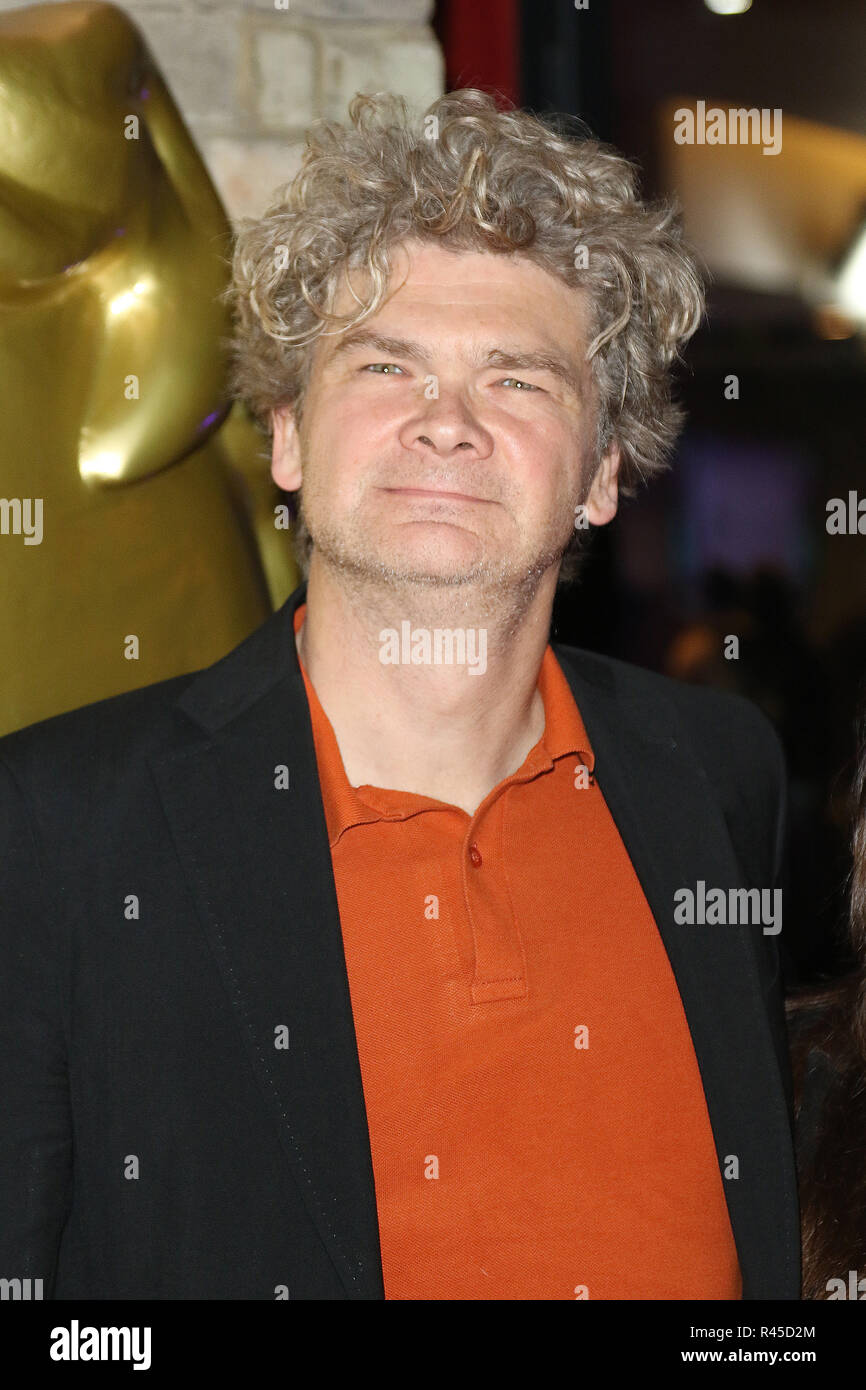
point(137, 534)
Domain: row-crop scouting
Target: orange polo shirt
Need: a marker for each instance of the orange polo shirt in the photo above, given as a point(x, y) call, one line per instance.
point(538, 1127)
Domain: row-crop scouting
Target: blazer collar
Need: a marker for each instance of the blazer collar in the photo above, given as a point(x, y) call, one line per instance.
point(256, 856)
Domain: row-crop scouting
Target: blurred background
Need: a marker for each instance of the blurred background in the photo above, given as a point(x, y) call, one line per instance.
point(733, 543)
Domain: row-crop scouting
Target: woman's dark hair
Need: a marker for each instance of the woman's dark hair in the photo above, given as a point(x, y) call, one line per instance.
point(827, 1032)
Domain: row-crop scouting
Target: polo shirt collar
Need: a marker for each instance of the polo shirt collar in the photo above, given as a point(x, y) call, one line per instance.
point(346, 806)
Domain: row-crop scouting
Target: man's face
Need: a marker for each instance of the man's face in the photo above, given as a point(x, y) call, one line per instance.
point(448, 438)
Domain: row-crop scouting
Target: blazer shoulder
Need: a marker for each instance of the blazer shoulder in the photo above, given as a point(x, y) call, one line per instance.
point(725, 726)
point(114, 728)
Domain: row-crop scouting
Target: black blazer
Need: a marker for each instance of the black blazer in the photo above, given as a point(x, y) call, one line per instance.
point(154, 1142)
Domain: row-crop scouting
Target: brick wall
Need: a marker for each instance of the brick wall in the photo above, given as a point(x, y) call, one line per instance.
point(248, 77)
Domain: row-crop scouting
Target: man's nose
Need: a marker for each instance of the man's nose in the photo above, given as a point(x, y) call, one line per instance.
point(446, 425)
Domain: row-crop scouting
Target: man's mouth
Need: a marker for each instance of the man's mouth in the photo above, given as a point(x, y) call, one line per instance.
point(435, 492)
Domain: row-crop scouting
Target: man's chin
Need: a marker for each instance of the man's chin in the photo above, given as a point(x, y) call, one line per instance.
point(399, 561)
point(391, 560)
point(397, 568)
point(394, 569)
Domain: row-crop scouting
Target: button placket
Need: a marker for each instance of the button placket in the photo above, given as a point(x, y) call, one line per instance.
point(500, 968)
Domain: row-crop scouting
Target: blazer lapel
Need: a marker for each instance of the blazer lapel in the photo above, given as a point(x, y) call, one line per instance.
point(674, 831)
point(258, 864)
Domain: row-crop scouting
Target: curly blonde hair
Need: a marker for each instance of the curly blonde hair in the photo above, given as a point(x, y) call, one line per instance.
point(472, 177)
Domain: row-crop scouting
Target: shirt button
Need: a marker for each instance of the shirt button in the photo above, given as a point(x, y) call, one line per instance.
point(475, 855)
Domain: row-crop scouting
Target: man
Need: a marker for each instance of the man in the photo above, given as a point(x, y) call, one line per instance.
point(361, 964)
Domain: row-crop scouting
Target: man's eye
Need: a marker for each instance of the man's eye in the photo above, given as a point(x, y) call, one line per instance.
point(521, 385)
point(384, 368)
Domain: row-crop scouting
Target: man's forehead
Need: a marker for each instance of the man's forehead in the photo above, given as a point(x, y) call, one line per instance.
point(540, 308)
point(423, 266)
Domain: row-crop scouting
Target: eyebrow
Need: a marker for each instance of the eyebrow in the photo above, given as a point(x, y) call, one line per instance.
point(512, 358)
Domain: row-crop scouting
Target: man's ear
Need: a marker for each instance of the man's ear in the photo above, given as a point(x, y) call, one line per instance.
point(601, 502)
point(286, 451)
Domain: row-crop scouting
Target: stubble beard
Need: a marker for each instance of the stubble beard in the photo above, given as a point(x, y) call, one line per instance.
point(486, 593)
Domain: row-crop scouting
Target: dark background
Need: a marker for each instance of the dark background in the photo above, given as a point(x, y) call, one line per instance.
point(733, 539)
